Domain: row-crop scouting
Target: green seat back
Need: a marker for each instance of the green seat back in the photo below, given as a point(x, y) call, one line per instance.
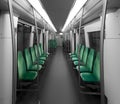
point(40, 45)
point(33, 54)
point(28, 58)
point(36, 50)
point(52, 43)
point(96, 67)
point(81, 51)
point(39, 50)
point(90, 59)
point(77, 49)
point(85, 55)
point(21, 65)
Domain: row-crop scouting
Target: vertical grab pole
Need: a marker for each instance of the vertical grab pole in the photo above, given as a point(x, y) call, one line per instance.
point(14, 53)
point(36, 29)
point(72, 36)
point(80, 24)
point(43, 35)
point(102, 36)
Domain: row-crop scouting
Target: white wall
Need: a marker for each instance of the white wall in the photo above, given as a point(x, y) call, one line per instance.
point(112, 58)
point(72, 41)
point(31, 36)
point(77, 38)
point(45, 36)
point(59, 40)
point(93, 26)
point(5, 60)
point(47, 33)
point(41, 38)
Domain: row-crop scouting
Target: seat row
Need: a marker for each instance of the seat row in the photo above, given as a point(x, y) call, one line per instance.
point(52, 45)
point(89, 64)
point(30, 62)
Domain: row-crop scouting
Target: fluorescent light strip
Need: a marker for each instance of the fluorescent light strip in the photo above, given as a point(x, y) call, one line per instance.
point(77, 6)
point(37, 5)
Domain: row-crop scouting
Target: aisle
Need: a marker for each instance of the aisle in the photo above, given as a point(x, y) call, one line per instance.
point(58, 86)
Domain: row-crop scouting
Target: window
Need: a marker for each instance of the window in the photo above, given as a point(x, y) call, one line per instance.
point(82, 36)
point(94, 40)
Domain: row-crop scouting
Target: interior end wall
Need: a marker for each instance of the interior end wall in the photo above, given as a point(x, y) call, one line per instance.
point(112, 58)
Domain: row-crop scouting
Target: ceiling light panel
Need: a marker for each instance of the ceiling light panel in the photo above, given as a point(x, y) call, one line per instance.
point(77, 6)
point(38, 6)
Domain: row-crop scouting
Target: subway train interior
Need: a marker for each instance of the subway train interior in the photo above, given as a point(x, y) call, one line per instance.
point(59, 51)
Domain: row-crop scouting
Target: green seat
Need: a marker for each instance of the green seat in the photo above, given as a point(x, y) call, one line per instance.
point(22, 73)
point(81, 54)
point(75, 54)
point(42, 51)
point(38, 54)
point(89, 63)
point(34, 58)
point(29, 63)
point(95, 75)
point(52, 43)
point(84, 59)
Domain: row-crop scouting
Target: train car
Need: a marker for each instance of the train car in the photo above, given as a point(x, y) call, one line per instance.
point(59, 51)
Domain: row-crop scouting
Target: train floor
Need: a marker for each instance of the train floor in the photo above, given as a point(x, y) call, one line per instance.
point(58, 84)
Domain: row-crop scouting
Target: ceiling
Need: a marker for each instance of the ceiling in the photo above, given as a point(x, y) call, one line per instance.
point(58, 11)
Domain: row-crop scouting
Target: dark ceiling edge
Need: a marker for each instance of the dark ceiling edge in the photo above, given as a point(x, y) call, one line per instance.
point(51, 18)
point(47, 13)
point(70, 11)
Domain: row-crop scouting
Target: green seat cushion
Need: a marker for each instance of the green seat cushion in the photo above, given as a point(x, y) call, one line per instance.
point(35, 67)
point(74, 54)
point(83, 69)
point(29, 76)
point(42, 58)
point(88, 77)
point(76, 63)
point(41, 62)
point(74, 58)
point(43, 55)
